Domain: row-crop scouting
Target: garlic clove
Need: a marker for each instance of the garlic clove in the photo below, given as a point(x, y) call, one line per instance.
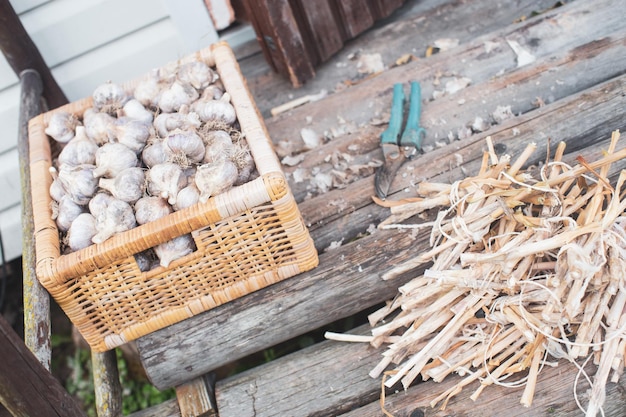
point(61, 126)
point(78, 182)
point(183, 147)
point(187, 197)
point(66, 212)
point(197, 74)
point(151, 208)
point(176, 95)
point(133, 109)
point(112, 158)
point(174, 249)
point(128, 185)
point(132, 133)
point(78, 151)
point(215, 178)
point(166, 180)
point(81, 232)
point(219, 146)
point(117, 217)
point(109, 98)
point(99, 127)
point(153, 153)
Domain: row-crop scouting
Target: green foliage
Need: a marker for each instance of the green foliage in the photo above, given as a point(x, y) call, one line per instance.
point(136, 394)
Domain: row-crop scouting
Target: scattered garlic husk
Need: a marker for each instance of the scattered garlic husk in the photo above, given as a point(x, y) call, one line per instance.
point(128, 185)
point(197, 74)
point(133, 109)
point(164, 123)
point(151, 208)
point(99, 127)
point(109, 98)
point(177, 95)
point(112, 158)
point(216, 111)
point(187, 197)
point(173, 249)
point(61, 126)
point(183, 147)
point(132, 133)
point(153, 153)
point(66, 212)
point(219, 145)
point(213, 179)
point(78, 151)
point(78, 182)
point(116, 217)
point(166, 180)
point(81, 232)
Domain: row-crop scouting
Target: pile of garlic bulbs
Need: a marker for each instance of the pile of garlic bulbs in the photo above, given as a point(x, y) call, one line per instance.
point(135, 158)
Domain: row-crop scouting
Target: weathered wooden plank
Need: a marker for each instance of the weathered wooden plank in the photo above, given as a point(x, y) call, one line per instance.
point(196, 397)
point(167, 408)
point(356, 16)
point(26, 387)
point(322, 27)
point(347, 279)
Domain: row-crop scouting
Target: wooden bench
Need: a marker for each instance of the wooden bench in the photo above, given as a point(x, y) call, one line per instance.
point(573, 91)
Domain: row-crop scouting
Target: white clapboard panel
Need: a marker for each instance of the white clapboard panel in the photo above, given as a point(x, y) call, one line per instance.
point(11, 229)
point(9, 114)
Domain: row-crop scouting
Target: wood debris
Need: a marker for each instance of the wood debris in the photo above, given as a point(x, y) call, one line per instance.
point(526, 266)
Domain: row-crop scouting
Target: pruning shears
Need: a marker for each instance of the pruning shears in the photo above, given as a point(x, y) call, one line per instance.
point(398, 148)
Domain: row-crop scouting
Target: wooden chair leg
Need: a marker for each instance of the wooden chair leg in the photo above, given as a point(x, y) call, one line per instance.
point(196, 398)
point(107, 385)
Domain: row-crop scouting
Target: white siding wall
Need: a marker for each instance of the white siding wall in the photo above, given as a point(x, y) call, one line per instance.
point(86, 43)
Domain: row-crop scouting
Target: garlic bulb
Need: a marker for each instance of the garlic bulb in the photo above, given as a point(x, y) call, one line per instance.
point(78, 182)
point(99, 203)
point(213, 179)
point(219, 146)
point(184, 147)
point(148, 90)
point(133, 109)
point(57, 192)
point(197, 73)
point(117, 217)
point(166, 180)
point(187, 197)
point(81, 232)
point(132, 133)
point(61, 126)
point(174, 249)
point(243, 160)
point(99, 127)
point(216, 111)
point(66, 212)
point(164, 123)
point(128, 185)
point(78, 151)
point(212, 92)
point(109, 98)
point(177, 95)
point(153, 153)
point(112, 158)
point(151, 208)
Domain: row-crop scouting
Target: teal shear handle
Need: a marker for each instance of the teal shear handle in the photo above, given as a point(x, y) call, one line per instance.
point(413, 134)
point(391, 134)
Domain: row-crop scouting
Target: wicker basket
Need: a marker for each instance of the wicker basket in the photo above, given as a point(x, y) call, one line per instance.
point(247, 238)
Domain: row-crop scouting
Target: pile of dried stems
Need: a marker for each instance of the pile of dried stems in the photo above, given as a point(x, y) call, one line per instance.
point(525, 267)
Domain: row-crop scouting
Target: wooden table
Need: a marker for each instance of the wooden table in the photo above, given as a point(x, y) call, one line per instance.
point(572, 91)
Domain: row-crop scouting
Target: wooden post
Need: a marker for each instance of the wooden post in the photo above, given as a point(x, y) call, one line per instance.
point(107, 384)
point(22, 53)
point(26, 387)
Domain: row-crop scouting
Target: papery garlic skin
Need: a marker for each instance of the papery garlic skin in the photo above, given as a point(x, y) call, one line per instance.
point(133, 109)
point(132, 133)
point(99, 203)
point(153, 154)
point(99, 127)
point(81, 232)
point(177, 95)
point(78, 182)
point(109, 98)
point(78, 151)
point(173, 249)
point(57, 191)
point(112, 158)
point(183, 147)
point(213, 179)
point(66, 212)
point(117, 217)
point(61, 126)
point(166, 180)
point(243, 160)
point(187, 197)
point(128, 185)
point(151, 208)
